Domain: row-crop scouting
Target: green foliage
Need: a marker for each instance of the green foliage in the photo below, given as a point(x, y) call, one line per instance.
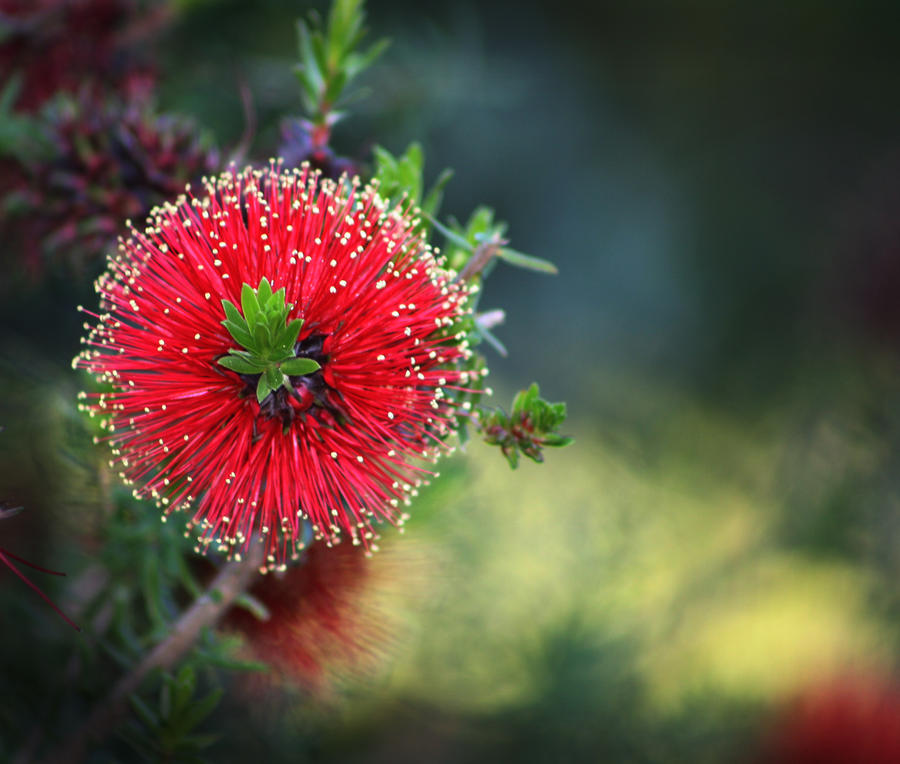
point(169, 731)
point(267, 339)
point(146, 576)
point(472, 251)
point(482, 236)
point(330, 61)
point(403, 176)
point(21, 136)
point(531, 425)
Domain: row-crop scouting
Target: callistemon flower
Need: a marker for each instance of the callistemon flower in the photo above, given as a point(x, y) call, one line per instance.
point(282, 351)
point(111, 160)
point(334, 618)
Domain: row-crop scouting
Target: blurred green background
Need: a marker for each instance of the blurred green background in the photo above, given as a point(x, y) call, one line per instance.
point(719, 184)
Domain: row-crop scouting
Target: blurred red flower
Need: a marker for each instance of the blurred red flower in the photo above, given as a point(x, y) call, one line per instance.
point(108, 161)
point(63, 45)
point(326, 622)
point(850, 720)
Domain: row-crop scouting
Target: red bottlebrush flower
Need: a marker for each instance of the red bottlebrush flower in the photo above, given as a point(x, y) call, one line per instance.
point(347, 406)
point(110, 161)
point(59, 45)
point(332, 617)
point(854, 720)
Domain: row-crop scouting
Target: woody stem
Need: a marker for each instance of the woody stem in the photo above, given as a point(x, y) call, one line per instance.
point(232, 580)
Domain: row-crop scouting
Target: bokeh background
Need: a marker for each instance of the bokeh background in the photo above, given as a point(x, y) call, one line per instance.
point(719, 184)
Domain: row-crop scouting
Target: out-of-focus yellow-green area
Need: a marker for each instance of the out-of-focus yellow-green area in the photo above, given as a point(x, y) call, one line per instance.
point(677, 559)
point(642, 586)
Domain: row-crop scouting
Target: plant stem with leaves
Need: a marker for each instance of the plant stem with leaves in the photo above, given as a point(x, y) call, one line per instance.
point(232, 581)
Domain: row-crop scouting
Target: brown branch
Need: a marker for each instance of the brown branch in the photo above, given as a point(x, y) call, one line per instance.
point(232, 580)
point(483, 254)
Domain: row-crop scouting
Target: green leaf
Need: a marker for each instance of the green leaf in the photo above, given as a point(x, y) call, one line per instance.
point(335, 87)
point(557, 441)
point(524, 400)
point(451, 235)
point(385, 165)
point(151, 586)
point(492, 340)
point(240, 334)
point(241, 366)
point(264, 292)
point(521, 260)
point(184, 685)
point(297, 367)
point(143, 711)
point(201, 709)
point(432, 201)
point(165, 697)
point(262, 337)
point(10, 93)
point(249, 303)
point(276, 302)
point(287, 337)
point(481, 223)
point(274, 377)
point(252, 605)
point(358, 62)
point(262, 389)
point(248, 356)
point(232, 313)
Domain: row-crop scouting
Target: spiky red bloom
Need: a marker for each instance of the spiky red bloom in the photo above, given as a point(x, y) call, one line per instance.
point(346, 446)
point(331, 618)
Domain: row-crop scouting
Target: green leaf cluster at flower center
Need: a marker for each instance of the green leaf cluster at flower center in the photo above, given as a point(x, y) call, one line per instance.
point(266, 339)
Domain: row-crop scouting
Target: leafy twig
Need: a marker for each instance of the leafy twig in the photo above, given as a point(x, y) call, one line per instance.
point(232, 581)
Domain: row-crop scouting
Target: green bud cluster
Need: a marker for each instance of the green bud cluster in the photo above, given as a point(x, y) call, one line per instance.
point(527, 429)
point(266, 339)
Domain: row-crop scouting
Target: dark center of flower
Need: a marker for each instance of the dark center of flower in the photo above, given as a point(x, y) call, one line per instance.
point(304, 393)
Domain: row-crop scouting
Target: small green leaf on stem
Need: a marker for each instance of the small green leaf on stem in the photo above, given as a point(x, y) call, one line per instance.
point(528, 429)
point(296, 367)
point(262, 389)
point(521, 260)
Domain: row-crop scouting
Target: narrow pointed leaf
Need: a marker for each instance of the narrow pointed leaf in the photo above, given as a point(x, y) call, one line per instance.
point(262, 337)
point(239, 365)
point(274, 378)
point(262, 389)
point(287, 338)
point(200, 709)
point(521, 260)
point(558, 441)
point(232, 313)
point(492, 340)
point(143, 711)
point(432, 201)
point(449, 234)
point(249, 304)
point(276, 300)
point(296, 367)
point(240, 334)
point(264, 292)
